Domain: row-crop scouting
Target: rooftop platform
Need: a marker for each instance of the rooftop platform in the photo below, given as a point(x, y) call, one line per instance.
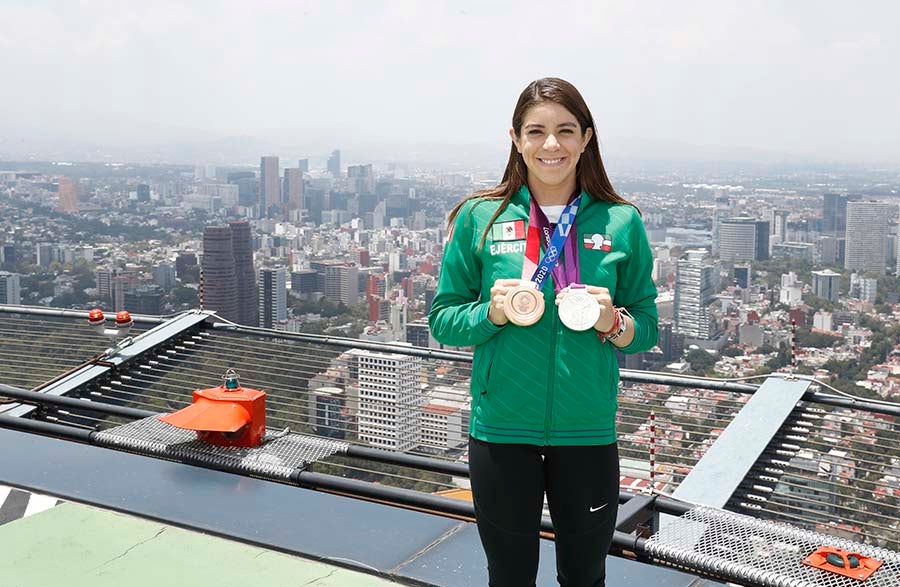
point(780, 450)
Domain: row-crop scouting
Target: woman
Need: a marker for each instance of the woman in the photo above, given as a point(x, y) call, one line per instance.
point(544, 393)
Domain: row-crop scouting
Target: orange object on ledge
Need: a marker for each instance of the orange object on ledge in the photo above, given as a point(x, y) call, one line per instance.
point(843, 562)
point(228, 415)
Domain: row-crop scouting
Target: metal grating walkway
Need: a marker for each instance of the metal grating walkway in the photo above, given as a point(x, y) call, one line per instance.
point(276, 459)
point(763, 553)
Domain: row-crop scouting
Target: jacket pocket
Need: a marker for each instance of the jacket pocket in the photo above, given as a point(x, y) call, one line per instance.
point(483, 365)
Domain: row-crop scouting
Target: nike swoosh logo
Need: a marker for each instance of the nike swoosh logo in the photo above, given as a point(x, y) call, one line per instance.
point(598, 508)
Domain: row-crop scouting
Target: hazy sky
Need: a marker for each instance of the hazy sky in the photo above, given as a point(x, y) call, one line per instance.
point(805, 78)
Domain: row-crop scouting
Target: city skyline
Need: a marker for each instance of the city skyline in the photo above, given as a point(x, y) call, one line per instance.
point(396, 81)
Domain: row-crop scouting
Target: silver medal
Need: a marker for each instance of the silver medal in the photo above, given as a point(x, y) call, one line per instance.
point(579, 310)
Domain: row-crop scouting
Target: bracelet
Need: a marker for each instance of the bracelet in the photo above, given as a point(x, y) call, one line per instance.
point(618, 327)
point(617, 320)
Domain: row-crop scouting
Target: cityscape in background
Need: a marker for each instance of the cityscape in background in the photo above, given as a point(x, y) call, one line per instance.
point(792, 272)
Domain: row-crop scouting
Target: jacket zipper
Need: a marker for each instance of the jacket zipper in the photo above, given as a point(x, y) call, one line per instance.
point(551, 382)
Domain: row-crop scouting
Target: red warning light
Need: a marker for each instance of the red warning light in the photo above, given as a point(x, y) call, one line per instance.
point(95, 316)
point(123, 319)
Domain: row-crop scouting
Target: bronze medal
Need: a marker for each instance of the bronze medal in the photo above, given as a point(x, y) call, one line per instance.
point(524, 304)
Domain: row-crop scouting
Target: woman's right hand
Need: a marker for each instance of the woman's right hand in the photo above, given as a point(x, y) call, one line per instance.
point(496, 312)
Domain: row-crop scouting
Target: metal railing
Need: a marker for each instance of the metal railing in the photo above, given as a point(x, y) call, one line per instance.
point(431, 386)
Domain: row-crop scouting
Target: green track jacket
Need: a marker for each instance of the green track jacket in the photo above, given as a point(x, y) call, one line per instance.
point(543, 384)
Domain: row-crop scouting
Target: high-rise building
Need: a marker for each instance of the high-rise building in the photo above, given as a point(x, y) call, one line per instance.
point(834, 213)
point(303, 164)
point(866, 236)
point(306, 282)
point(10, 289)
point(826, 284)
point(695, 289)
point(219, 289)
point(145, 299)
point(389, 400)
point(863, 288)
point(340, 280)
point(334, 164)
point(272, 295)
point(362, 179)
point(186, 267)
point(828, 249)
point(742, 275)
point(104, 280)
point(670, 342)
point(269, 186)
point(46, 253)
point(8, 257)
point(743, 239)
point(897, 255)
point(808, 485)
point(164, 276)
point(331, 414)
point(293, 191)
point(778, 227)
point(67, 201)
point(244, 273)
point(418, 333)
point(248, 187)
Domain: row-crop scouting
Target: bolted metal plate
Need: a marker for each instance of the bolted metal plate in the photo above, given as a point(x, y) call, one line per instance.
point(277, 458)
point(759, 552)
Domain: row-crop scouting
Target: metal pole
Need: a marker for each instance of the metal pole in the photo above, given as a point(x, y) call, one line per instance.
point(33, 397)
point(46, 428)
point(457, 469)
point(61, 313)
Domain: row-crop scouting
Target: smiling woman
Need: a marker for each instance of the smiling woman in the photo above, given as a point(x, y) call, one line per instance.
point(551, 146)
point(544, 380)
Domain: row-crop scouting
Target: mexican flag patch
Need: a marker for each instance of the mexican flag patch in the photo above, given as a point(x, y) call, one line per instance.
point(598, 242)
point(508, 231)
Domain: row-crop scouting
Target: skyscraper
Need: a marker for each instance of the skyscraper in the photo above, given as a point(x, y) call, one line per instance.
point(362, 179)
point(341, 281)
point(334, 164)
point(778, 228)
point(104, 280)
point(272, 294)
point(389, 400)
point(269, 186)
point(293, 193)
point(186, 267)
point(67, 201)
point(248, 187)
point(743, 239)
point(834, 213)
point(826, 284)
point(10, 288)
point(866, 236)
point(8, 257)
point(219, 282)
point(695, 289)
point(303, 164)
point(244, 273)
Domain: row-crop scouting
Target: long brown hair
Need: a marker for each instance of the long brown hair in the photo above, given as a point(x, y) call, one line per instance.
point(591, 174)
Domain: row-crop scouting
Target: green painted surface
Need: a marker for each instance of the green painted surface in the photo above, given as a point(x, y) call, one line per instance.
point(78, 546)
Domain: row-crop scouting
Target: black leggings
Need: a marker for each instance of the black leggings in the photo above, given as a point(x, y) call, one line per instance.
point(508, 485)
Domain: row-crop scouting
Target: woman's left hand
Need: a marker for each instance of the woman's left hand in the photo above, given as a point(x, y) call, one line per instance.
point(601, 294)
